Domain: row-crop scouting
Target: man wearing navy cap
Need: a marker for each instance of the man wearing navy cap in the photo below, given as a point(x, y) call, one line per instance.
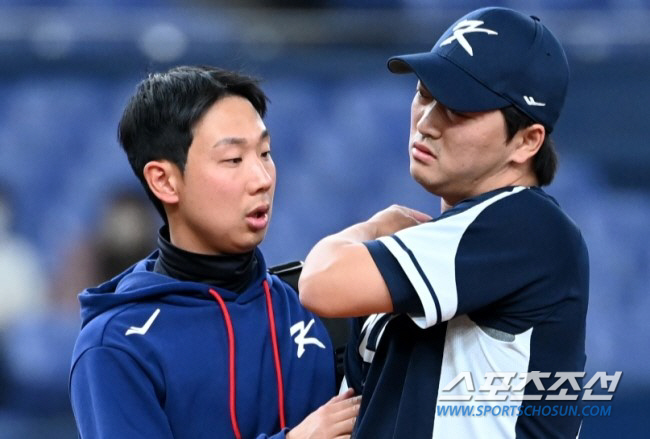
point(476, 318)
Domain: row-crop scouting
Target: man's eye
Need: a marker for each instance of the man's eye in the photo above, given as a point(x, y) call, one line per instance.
point(423, 94)
point(233, 160)
point(266, 154)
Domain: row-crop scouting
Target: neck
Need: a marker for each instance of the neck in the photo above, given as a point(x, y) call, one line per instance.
point(519, 178)
point(232, 272)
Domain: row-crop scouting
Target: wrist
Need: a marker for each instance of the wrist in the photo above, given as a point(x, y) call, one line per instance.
point(366, 231)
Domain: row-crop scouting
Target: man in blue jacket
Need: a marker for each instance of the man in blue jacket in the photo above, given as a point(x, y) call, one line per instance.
point(198, 340)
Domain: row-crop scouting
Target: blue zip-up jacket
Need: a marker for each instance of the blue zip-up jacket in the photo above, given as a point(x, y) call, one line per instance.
point(161, 358)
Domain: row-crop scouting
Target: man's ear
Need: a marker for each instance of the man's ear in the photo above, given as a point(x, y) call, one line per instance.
point(527, 142)
point(163, 178)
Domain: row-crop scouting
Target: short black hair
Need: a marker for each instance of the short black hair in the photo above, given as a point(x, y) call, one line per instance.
point(158, 121)
point(545, 161)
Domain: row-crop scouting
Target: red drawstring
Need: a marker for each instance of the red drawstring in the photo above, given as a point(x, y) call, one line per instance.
point(231, 358)
point(231, 362)
point(276, 354)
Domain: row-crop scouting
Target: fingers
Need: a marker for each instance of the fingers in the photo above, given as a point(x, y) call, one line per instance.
point(419, 216)
point(334, 419)
point(343, 420)
point(395, 218)
point(411, 213)
point(342, 407)
point(342, 396)
point(346, 409)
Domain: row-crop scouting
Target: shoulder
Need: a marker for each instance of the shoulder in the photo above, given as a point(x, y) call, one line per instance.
point(516, 221)
point(528, 228)
point(534, 213)
point(472, 213)
point(287, 273)
point(515, 210)
point(111, 328)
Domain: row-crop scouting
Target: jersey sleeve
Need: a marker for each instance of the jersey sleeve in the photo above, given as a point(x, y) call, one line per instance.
point(403, 294)
point(112, 397)
point(483, 256)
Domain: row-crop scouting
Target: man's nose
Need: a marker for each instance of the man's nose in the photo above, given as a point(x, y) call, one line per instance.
point(261, 179)
point(428, 123)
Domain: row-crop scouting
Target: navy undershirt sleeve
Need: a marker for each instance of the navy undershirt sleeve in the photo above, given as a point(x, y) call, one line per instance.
point(405, 299)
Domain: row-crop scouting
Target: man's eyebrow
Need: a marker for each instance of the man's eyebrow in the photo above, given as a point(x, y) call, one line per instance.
point(240, 140)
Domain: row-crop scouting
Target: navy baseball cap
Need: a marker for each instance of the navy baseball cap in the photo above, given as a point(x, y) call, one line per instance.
point(493, 58)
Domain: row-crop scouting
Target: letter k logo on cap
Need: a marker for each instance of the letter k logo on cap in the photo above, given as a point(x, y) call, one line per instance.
point(467, 27)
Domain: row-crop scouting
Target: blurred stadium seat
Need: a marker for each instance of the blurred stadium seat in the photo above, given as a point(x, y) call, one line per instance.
point(338, 121)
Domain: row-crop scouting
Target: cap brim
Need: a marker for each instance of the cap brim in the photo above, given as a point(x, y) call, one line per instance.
point(447, 82)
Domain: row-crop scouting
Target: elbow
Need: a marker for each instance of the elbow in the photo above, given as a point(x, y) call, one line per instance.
point(309, 294)
point(313, 297)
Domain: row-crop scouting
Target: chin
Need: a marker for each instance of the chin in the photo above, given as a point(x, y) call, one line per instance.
point(429, 185)
point(250, 244)
point(416, 174)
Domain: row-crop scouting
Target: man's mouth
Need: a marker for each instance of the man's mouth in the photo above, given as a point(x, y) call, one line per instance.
point(421, 153)
point(258, 218)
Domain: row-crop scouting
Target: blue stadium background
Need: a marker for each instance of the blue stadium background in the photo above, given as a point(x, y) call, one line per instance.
point(338, 121)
